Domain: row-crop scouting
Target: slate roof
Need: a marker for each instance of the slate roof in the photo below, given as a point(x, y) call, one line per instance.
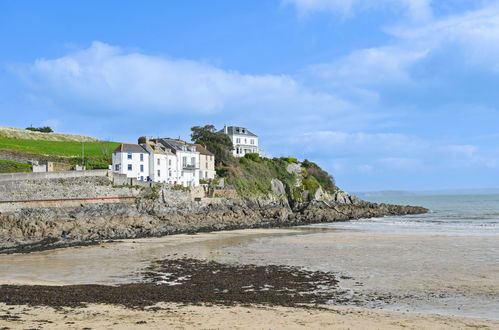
point(175, 144)
point(202, 150)
point(129, 147)
point(232, 130)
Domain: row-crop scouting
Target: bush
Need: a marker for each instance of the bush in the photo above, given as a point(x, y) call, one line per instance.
point(325, 179)
point(222, 171)
point(290, 159)
point(7, 166)
point(243, 160)
point(254, 157)
point(44, 129)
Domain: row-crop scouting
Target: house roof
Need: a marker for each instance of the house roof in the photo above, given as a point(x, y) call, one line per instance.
point(158, 148)
point(176, 144)
point(236, 130)
point(202, 150)
point(129, 147)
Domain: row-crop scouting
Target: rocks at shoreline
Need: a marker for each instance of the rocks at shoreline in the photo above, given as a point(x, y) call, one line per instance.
point(34, 229)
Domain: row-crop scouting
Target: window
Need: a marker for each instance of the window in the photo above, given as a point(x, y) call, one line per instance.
point(141, 157)
point(129, 167)
point(117, 167)
point(170, 173)
point(159, 161)
point(159, 173)
point(129, 156)
point(244, 141)
point(252, 141)
point(193, 161)
point(142, 178)
point(206, 164)
point(238, 140)
point(184, 160)
point(169, 162)
point(142, 167)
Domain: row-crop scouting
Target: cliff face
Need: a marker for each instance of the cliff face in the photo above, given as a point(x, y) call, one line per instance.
point(172, 212)
point(285, 195)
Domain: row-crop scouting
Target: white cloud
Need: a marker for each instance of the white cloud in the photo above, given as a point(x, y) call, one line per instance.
point(107, 76)
point(415, 9)
point(381, 151)
point(369, 66)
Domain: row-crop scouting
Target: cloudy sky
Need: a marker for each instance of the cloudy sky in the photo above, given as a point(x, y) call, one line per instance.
point(385, 94)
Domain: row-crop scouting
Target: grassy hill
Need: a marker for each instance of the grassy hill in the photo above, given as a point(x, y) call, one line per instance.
point(62, 148)
point(18, 133)
point(58, 148)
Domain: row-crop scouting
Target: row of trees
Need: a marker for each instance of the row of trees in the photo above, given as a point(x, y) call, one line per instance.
point(44, 129)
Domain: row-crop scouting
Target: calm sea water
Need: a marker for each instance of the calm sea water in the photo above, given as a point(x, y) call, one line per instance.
point(475, 215)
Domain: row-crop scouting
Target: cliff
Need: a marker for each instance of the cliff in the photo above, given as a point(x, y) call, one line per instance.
point(111, 212)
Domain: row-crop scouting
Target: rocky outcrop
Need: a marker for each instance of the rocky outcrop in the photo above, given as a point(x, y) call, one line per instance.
point(172, 213)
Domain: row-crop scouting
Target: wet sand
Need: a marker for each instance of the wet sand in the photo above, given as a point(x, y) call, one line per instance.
point(455, 275)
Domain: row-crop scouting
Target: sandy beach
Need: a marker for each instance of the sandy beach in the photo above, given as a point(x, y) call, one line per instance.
point(175, 316)
point(392, 280)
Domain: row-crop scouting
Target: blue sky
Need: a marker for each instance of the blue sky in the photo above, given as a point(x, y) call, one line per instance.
point(386, 94)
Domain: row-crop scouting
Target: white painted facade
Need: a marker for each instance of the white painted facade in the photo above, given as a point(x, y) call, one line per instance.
point(243, 140)
point(162, 163)
point(132, 160)
point(163, 160)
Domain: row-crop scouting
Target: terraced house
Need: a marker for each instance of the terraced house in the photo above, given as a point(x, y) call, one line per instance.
point(165, 160)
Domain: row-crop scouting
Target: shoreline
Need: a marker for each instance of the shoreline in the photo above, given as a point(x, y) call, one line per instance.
point(96, 223)
point(228, 247)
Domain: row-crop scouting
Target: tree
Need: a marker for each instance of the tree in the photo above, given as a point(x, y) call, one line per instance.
point(45, 129)
point(216, 142)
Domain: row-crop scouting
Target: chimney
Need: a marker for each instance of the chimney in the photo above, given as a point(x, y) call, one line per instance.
point(225, 129)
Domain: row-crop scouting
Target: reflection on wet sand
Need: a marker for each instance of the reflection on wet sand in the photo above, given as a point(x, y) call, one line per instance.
point(422, 273)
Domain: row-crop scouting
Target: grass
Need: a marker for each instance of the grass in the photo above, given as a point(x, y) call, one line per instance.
point(18, 133)
point(8, 166)
point(58, 148)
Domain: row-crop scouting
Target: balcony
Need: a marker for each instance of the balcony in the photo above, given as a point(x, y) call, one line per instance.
point(190, 166)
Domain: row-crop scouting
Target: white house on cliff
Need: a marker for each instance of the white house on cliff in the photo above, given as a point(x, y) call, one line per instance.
point(243, 140)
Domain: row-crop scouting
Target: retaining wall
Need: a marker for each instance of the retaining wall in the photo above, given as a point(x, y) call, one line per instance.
point(54, 175)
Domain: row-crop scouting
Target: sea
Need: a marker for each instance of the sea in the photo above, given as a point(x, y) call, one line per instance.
point(443, 262)
point(470, 215)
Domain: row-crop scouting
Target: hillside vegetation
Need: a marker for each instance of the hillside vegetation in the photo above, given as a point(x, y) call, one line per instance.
point(61, 148)
point(24, 134)
point(252, 175)
point(7, 166)
point(58, 148)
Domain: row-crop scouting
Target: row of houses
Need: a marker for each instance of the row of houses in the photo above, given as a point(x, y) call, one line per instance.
point(174, 161)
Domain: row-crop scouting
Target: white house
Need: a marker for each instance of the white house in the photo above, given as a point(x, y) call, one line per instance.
point(187, 161)
point(162, 162)
point(132, 160)
point(243, 140)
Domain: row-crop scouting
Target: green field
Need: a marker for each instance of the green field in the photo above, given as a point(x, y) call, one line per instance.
point(7, 166)
point(58, 148)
